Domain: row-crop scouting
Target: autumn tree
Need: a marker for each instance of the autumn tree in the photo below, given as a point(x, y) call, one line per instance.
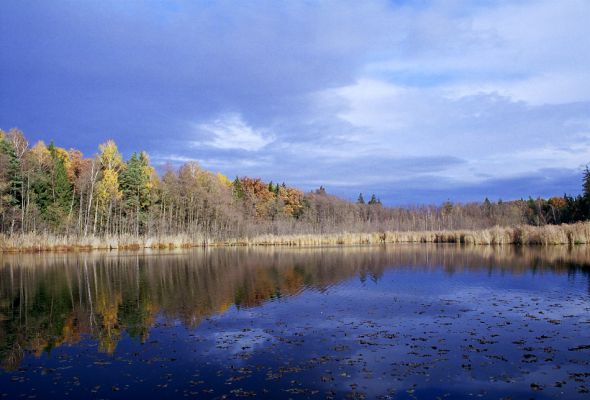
point(259, 195)
point(48, 189)
point(108, 192)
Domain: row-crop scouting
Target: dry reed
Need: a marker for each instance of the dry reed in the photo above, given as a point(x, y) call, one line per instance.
point(566, 234)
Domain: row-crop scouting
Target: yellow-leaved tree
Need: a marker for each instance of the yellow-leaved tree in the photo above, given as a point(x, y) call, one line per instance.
point(108, 191)
point(224, 180)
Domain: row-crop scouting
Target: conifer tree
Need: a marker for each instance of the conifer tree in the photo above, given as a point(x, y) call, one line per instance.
point(238, 189)
point(58, 201)
point(361, 199)
point(135, 185)
point(14, 180)
point(586, 183)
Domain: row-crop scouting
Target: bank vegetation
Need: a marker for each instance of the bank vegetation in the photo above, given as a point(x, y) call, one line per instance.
point(52, 198)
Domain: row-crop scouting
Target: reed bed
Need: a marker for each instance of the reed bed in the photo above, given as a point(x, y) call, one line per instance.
point(566, 234)
point(49, 242)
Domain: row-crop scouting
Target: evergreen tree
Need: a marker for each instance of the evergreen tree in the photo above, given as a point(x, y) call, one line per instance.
point(58, 201)
point(41, 163)
point(62, 186)
point(12, 175)
point(586, 183)
point(582, 203)
point(238, 189)
point(361, 199)
point(135, 185)
point(373, 200)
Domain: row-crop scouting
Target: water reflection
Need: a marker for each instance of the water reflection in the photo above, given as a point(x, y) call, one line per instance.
point(48, 300)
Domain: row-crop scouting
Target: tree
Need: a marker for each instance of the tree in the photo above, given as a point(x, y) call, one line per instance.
point(12, 169)
point(224, 180)
point(44, 188)
point(258, 193)
point(107, 189)
point(136, 186)
point(59, 210)
point(586, 183)
point(292, 200)
point(11, 182)
point(108, 192)
point(39, 181)
point(237, 188)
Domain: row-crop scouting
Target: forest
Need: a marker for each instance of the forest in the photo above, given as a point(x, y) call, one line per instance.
point(46, 189)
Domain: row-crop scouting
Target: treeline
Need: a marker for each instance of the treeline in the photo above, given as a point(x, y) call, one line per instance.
point(48, 189)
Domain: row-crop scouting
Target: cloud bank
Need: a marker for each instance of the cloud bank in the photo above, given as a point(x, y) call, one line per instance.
point(417, 101)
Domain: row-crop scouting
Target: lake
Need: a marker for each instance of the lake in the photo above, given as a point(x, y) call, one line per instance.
point(391, 322)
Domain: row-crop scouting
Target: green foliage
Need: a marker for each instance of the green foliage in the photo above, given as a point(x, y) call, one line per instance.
point(136, 186)
point(238, 189)
point(586, 183)
point(62, 196)
point(46, 188)
point(54, 189)
point(135, 182)
point(12, 172)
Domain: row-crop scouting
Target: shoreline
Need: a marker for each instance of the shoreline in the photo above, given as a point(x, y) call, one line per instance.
point(524, 235)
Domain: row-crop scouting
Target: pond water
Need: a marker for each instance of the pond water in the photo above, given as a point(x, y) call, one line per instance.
point(415, 321)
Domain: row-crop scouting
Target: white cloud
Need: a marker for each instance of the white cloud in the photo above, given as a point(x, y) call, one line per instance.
point(230, 132)
point(454, 92)
point(503, 88)
point(497, 137)
point(549, 88)
point(532, 51)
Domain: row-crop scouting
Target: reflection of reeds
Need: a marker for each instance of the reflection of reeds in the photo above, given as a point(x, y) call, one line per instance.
point(105, 294)
point(13, 357)
point(568, 234)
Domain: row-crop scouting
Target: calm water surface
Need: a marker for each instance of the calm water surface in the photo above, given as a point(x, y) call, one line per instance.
point(366, 322)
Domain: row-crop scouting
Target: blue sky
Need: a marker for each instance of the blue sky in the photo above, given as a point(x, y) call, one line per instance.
point(417, 101)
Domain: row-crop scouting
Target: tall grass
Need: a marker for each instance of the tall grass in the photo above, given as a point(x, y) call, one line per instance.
point(566, 234)
point(49, 242)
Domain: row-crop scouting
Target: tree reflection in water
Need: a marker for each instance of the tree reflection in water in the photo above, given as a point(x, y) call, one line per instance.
point(47, 300)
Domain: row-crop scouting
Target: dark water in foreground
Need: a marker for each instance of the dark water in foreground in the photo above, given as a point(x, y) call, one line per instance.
point(370, 322)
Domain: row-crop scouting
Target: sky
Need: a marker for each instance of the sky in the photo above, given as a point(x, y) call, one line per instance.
point(417, 101)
